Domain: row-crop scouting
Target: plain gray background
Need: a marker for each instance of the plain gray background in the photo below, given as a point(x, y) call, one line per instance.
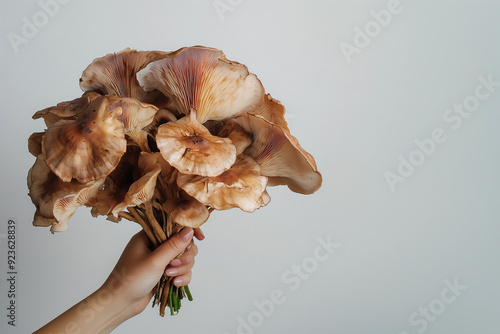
point(397, 248)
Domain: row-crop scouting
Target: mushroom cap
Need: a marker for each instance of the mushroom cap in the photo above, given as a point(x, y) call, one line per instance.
point(231, 130)
point(162, 116)
point(241, 186)
point(280, 156)
point(66, 110)
point(189, 147)
point(186, 211)
point(35, 143)
point(115, 74)
point(135, 116)
point(56, 201)
point(87, 148)
point(203, 79)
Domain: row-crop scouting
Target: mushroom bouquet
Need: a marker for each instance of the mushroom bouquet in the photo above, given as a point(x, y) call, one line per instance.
point(163, 139)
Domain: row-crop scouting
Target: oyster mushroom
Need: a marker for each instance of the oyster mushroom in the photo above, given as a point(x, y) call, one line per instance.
point(115, 74)
point(241, 186)
point(56, 201)
point(186, 211)
point(280, 156)
point(203, 79)
point(87, 148)
point(189, 147)
point(135, 116)
point(66, 110)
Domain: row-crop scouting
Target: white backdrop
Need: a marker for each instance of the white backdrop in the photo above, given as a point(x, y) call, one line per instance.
point(397, 101)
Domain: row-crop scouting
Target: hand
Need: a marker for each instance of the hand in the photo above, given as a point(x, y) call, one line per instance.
point(139, 269)
point(129, 287)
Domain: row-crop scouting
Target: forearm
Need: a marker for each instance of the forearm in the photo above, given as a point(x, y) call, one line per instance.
point(101, 312)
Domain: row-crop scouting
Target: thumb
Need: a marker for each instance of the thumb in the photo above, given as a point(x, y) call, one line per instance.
point(168, 250)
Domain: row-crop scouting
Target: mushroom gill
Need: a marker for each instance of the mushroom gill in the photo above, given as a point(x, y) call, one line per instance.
point(56, 201)
point(87, 148)
point(189, 147)
point(280, 156)
point(241, 186)
point(272, 110)
point(115, 74)
point(203, 79)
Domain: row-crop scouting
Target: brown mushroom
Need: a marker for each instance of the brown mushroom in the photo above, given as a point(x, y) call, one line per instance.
point(135, 117)
point(35, 143)
point(189, 147)
point(87, 148)
point(66, 110)
point(115, 74)
point(280, 156)
point(203, 79)
point(56, 201)
point(241, 186)
point(186, 211)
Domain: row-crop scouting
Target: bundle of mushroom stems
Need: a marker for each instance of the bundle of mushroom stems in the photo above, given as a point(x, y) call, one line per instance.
point(163, 139)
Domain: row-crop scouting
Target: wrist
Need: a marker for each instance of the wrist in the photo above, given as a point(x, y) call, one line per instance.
point(103, 311)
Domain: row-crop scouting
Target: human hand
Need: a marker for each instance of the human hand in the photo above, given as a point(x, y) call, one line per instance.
point(129, 287)
point(139, 269)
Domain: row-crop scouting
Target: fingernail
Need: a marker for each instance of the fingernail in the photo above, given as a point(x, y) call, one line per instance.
point(186, 233)
point(189, 246)
point(178, 281)
point(171, 271)
point(201, 232)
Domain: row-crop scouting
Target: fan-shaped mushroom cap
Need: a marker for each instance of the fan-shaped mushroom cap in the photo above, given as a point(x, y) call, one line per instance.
point(203, 79)
point(115, 74)
point(188, 146)
point(56, 201)
point(280, 156)
point(88, 148)
point(66, 110)
point(241, 186)
point(186, 211)
point(135, 116)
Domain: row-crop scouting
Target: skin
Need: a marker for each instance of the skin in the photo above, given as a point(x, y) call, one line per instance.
point(129, 287)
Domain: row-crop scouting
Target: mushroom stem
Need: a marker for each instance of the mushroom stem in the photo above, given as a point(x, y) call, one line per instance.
point(158, 231)
point(127, 216)
point(165, 296)
point(144, 225)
